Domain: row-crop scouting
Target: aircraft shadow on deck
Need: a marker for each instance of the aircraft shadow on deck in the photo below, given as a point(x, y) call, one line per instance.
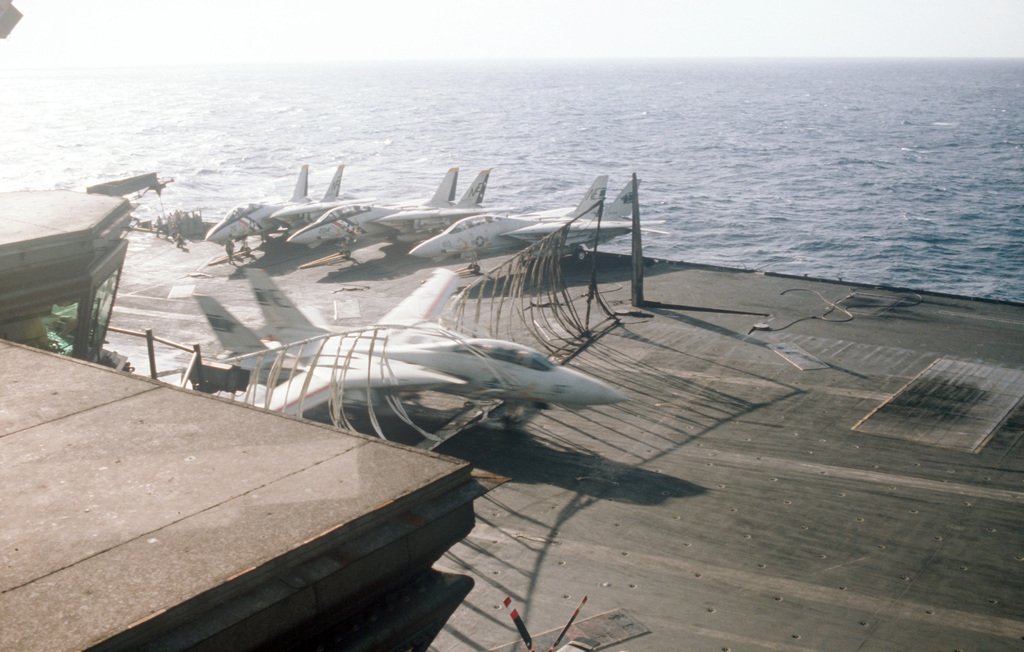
point(393, 264)
point(393, 426)
point(526, 459)
point(279, 258)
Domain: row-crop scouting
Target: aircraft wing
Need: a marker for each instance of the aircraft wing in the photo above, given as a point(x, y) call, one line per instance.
point(426, 302)
point(315, 387)
point(579, 232)
point(540, 229)
point(408, 215)
point(586, 235)
point(535, 232)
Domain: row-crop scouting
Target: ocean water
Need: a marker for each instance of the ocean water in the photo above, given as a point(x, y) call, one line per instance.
point(906, 173)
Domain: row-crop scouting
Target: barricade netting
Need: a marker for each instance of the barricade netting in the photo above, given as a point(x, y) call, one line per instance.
point(526, 300)
point(330, 376)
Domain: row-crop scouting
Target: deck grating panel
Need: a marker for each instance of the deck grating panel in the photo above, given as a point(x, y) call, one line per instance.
point(951, 404)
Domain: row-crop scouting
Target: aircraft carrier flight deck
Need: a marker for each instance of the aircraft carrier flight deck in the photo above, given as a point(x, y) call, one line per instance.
point(800, 464)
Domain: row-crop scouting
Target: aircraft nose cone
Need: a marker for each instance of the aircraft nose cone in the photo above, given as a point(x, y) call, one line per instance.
point(588, 390)
point(302, 237)
point(425, 249)
point(217, 233)
point(604, 394)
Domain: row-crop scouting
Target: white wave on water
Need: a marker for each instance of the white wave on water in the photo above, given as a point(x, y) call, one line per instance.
point(900, 173)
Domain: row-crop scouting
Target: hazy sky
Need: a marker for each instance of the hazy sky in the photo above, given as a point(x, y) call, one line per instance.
point(72, 33)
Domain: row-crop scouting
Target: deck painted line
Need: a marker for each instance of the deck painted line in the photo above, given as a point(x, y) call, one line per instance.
point(797, 357)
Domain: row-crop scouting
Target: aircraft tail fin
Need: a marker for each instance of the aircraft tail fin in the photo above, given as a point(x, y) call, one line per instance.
point(622, 207)
point(475, 193)
point(233, 336)
point(335, 187)
point(445, 193)
point(426, 302)
point(593, 196)
point(301, 185)
point(278, 310)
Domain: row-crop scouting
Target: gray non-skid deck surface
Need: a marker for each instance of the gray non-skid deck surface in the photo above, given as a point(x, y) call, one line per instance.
point(729, 504)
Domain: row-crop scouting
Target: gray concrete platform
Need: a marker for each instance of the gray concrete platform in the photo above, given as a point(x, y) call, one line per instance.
point(136, 515)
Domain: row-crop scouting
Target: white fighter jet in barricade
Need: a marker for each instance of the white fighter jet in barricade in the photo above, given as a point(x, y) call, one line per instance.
point(256, 218)
point(483, 234)
point(365, 224)
point(406, 350)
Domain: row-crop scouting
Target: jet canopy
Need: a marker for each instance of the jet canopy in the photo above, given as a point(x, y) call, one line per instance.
point(510, 352)
point(470, 222)
point(341, 213)
point(241, 211)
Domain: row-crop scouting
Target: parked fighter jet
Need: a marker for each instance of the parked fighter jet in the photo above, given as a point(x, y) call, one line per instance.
point(367, 224)
point(255, 218)
point(495, 233)
point(406, 350)
point(412, 223)
point(298, 215)
point(349, 221)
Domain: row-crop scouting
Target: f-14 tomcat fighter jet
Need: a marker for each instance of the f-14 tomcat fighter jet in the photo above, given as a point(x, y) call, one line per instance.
point(297, 215)
point(406, 350)
point(257, 217)
point(261, 218)
point(483, 234)
point(367, 223)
